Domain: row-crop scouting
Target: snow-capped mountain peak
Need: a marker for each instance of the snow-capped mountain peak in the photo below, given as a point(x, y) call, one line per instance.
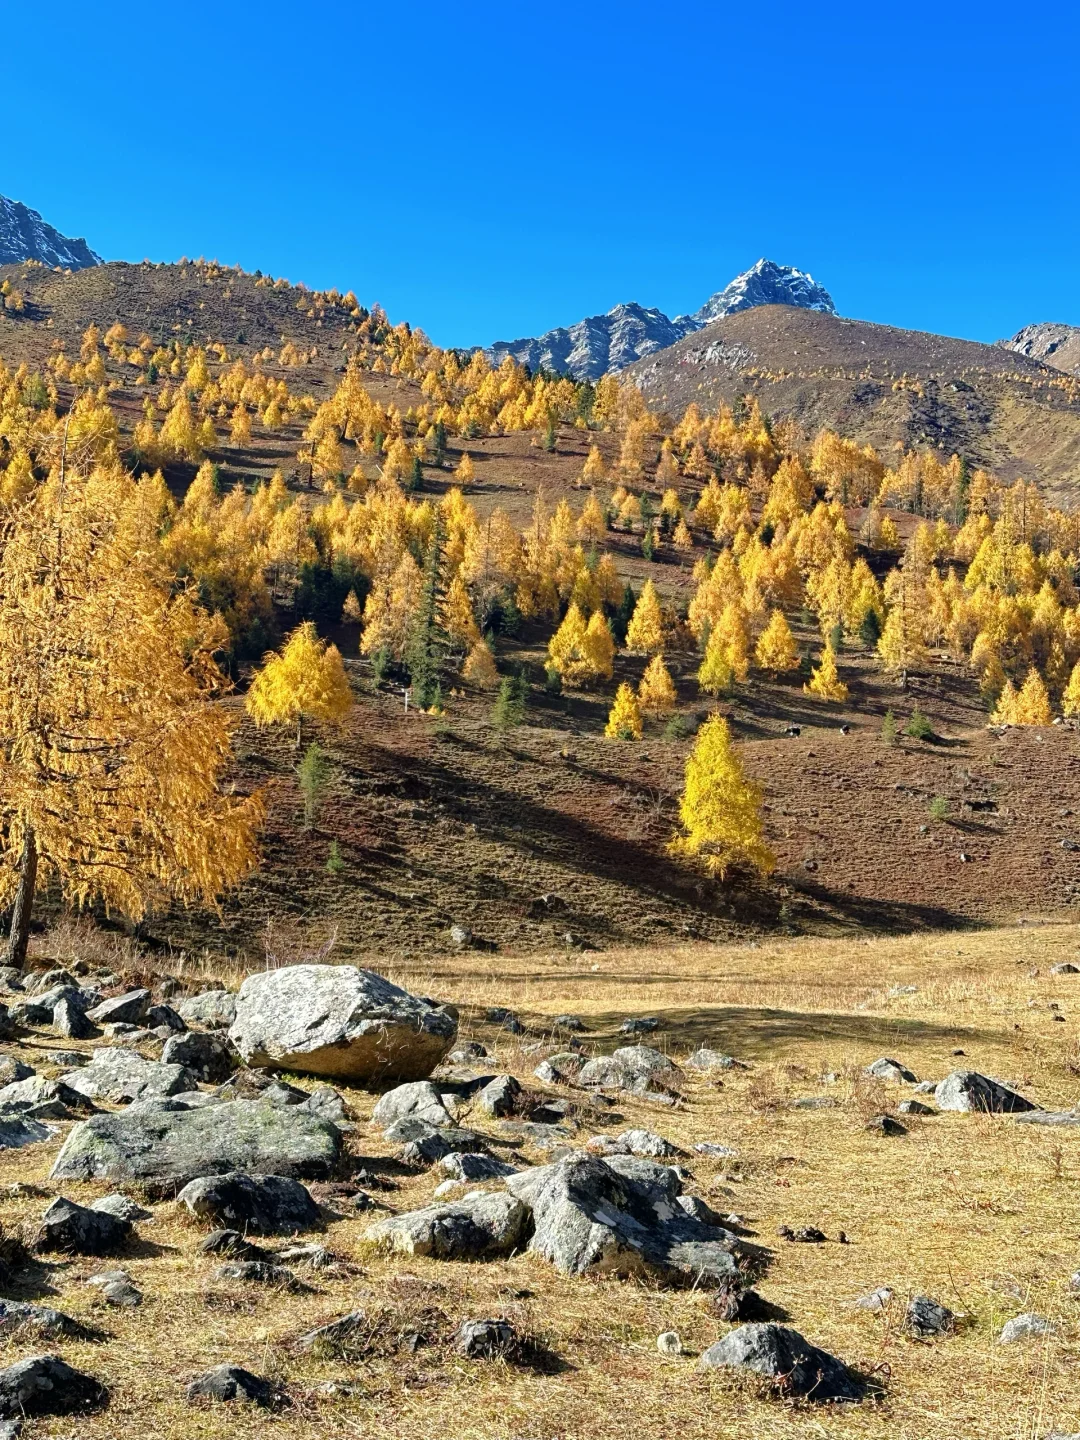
point(24, 235)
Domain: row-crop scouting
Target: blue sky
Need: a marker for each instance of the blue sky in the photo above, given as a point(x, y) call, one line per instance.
point(491, 170)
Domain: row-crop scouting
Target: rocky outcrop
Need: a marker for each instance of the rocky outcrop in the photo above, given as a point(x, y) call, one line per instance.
point(24, 235)
point(475, 1229)
point(781, 1356)
point(339, 1021)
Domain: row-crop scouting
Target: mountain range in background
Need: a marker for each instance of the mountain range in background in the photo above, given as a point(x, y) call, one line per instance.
point(601, 344)
point(24, 235)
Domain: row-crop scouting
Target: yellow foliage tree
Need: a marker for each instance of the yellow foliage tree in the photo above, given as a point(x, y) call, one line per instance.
point(114, 748)
point(1033, 703)
point(573, 653)
point(351, 611)
point(306, 679)
point(825, 681)
point(1070, 700)
point(776, 645)
point(715, 674)
point(624, 718)
point(720, 809)
point(656, 693)
point(645, 633)
point(600, 646)
point(480, 668)
point(465, 473)
point(458, 619)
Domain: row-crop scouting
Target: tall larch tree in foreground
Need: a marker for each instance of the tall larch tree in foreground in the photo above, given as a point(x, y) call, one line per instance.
point(720, 809)
point(113, 747)
point(306, 680)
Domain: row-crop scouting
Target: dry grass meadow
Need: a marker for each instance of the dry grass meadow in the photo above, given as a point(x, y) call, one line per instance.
point(980, 1212)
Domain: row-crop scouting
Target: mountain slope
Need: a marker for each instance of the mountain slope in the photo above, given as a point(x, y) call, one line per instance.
point(629, 332)
point(881, 386)
point(1057, 345)
point(24, 235)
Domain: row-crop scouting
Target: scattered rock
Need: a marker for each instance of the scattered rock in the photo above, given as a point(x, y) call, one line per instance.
point(807, 1235)
point(781, 1355)
point(925, 1317)
point(915, 1107)
point(815, 1102)
point(500, 1097)
point(560, 1069)
point(262, 1204)
point(472, 1166)
point(232, 1243)
point(568, 1024)
point(419, 1100)
point(885, 1125)
point(642, 1025)
point(886, 1069)
point(230, 1382)
point(127, 1009)
point(42, 1098)
point(471, 1229)
point(878, 1299)
point(173, 1147)
point(15, 1133)
point(337, 1020)
point(13, 1070)
point(669, 1343)
point(714, 1151)
point(70, 1020)
point(259, 1272)
point(203, 1054)
point(706, 1059)
point(505, 1019)
point(1053, 1118)
point(333, 1339)
point(1065, 968)
point(638, 1069)
point(471, 1050)
point(1023, 1327)
point(79, 1230)
point(216, 1009)
point(117, 1289)
point(424, 1144)
point(16, 1317)
point(47, 1385)
point(118, 1075)
point(485, 1339)
point(164, 1017)
point(120, 1207)
point(966, 1090)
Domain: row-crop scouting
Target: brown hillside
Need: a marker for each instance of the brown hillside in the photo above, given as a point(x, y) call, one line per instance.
point(882, 386)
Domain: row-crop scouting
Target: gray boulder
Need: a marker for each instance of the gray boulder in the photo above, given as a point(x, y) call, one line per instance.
point(423, 1143)
point(590, 1219)
point(886, 1069)
point(1054, 1119)
point(120, 1207)
point(473, 1229)
point(260, 1272)
point(336, 1337)
point(966, 1090)
point(171, 1147)
point(80, 1231)
point(19, 1318)
point(164, 1017)
point(69, 1019)
point(37, 1092)
point(119, 1075)
point(230, 1382)
point(12, 1069)
point(638, 1069)
point(473, 1166)
point(1023, 1327)
point(336, 1020)
point(215, 1009)
point(647, 1144)
point(561, 1069)
point(500, 1097)
point(126, 1009)
point(47, 1385)
point(117, 1289)
point(204, 1055)
point(925, 1317)
point(419, 1100)
point(706, 1059)
point(781, 1355)
point(18, 1132)
point(263, 1204)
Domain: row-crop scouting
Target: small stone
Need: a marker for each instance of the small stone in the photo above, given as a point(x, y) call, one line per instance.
point(120, 1207)
point(485, 1339)
point(47, 1385)
point(915, 1107)
point(259, 1272)
point(925, 1317)
point(1065, 968)
point(892, 1070)
point(640, 1025)
point(500, 1097)
point(1023, 1327)
point(885, 1125)
point(668, 1343)
point(569, 1024)
point(473, 1167)
point(230, 1382)
point(231, 1242)
point(878, 1299)
point(966, 1090)
point(203, 1054)
point(264, 1204)
point(781, 1355)
point(334, 1338)
point(117, 1289)
point(714, 1151)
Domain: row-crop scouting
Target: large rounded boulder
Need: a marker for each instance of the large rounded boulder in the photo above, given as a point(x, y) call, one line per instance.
point(339, 1021)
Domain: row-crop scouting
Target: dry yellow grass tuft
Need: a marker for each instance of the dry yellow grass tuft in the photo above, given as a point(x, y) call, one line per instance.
point(980, 1212)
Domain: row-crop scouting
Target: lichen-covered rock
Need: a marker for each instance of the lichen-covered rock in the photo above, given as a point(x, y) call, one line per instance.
point(781, 1355)
point(17, 1318)
point(966, 1090)
point(475, 1229)
point(419, 1100)
point(264, 1204)
point(639, 1069)
point(214, 1009)
point(80, 1230)
point(202, 1054)
point(230, 1382)
point(118, 1074)
point(127, 1009)
point(171, 1147)
point(336, 1020)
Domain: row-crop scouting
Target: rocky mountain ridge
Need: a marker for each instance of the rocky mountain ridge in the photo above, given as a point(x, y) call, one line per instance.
point(1052, 343)
point(601, 344)
point(24, 235)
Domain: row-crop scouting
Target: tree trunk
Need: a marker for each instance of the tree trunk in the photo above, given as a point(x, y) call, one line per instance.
point(19, 935)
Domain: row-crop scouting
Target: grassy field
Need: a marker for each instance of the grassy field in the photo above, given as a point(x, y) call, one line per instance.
point(979, 1212)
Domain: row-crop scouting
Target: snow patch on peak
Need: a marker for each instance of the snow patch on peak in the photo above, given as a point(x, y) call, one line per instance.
point(24, 235)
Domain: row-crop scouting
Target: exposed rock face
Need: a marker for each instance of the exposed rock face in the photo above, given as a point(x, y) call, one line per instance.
point(628, 332)
point(339, 1021)
point(470, 1230)
point(781, 1355)
point(967, 1090)
point(171, 1147)
point(1054, 344)
point(24, 235)
point(265, 1204)
point(590, 1219)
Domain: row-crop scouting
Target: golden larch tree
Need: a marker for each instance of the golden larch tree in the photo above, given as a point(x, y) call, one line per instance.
point(114, 746)
point(775, 648)
point(1032, 702)
point(656, 693)
point(720, 809)
point(825, 681)
point(715, 674)
point(599, 646)
point(624, 718)
point(480, 668)
point(1070, 700)
point(307, 679)
point(645, 633)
